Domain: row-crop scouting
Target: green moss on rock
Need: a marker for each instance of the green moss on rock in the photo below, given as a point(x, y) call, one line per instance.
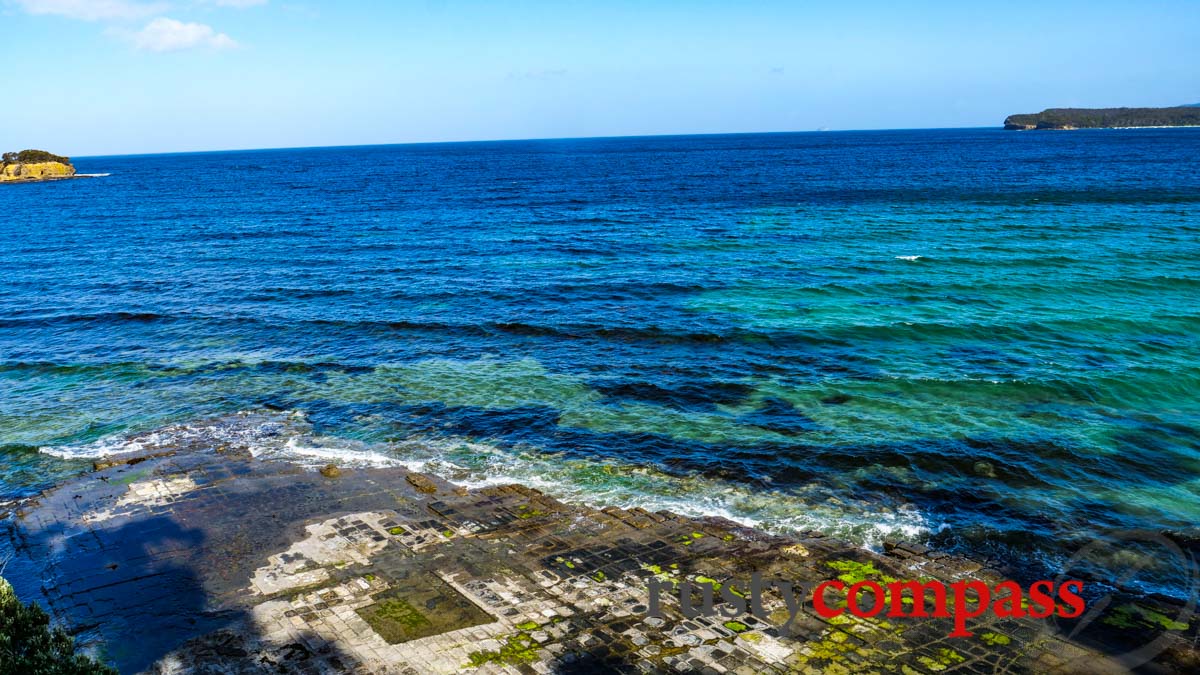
point(1133, 616)
point(853, 571)
point(516, 650)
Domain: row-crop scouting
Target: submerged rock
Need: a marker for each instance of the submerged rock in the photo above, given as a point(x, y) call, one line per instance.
point(985, 469)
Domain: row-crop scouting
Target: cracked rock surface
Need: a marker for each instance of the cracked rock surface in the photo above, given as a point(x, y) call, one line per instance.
point(196, 557)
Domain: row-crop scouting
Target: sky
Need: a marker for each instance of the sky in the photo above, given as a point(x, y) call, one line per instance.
point(97, 77)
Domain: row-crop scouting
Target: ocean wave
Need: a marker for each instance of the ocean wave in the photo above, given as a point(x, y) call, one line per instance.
point(105, 447)
point(314, 452)
point(243, 429)
point(601, 483)
point(592, 482)
point(112, 317)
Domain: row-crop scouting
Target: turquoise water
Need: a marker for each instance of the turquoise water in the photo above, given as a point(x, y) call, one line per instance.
point(985, 340)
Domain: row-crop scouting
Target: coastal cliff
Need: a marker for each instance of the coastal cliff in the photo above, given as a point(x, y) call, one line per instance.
point(34, 165)
point(1104, 118)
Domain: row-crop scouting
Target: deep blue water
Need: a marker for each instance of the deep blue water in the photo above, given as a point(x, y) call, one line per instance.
point(984, 339)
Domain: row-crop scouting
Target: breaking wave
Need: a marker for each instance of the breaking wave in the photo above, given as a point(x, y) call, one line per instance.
point(592, 482)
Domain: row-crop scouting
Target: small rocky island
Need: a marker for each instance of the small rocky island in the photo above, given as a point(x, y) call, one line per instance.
point(34, 165)
point(1105, 118)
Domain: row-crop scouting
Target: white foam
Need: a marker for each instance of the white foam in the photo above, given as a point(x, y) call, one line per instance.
point(104, 447)
point(293, 449)
point(595, 483)
point(243, 428)
point(908, 257)
point(599, 484)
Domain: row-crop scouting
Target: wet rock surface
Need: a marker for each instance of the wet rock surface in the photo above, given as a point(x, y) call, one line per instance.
point(196, 557)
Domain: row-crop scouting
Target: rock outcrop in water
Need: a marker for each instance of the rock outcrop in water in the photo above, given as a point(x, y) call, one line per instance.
point(1104, 118)
point(34, 165)
point(243, 564)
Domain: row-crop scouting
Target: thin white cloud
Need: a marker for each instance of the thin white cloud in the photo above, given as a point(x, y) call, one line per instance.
point(239, 4)
point(94, 10)
point(169, 35)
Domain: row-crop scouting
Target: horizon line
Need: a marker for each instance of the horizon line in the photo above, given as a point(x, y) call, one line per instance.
point(529, 140)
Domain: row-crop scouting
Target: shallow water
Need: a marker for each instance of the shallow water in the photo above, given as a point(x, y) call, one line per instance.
point(986, 339)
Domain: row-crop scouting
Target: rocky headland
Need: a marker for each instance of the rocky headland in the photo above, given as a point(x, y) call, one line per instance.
point(1104, 118)
point(194, 555)
point(34, 165)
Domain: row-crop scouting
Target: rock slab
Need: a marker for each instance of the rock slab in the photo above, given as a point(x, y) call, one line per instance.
point(199, 558)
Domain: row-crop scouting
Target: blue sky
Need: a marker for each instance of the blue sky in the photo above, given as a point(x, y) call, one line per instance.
point(130, 76)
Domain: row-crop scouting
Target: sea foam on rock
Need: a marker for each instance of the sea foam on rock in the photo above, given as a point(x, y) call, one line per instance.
point(246, 563)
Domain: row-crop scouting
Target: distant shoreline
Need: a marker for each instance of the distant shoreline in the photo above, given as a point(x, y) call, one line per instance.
point(51, 179)
point(1104, 118)
point(48, 179)
point(1159, 126)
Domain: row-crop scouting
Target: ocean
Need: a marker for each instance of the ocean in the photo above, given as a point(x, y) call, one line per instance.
point(982, 340)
